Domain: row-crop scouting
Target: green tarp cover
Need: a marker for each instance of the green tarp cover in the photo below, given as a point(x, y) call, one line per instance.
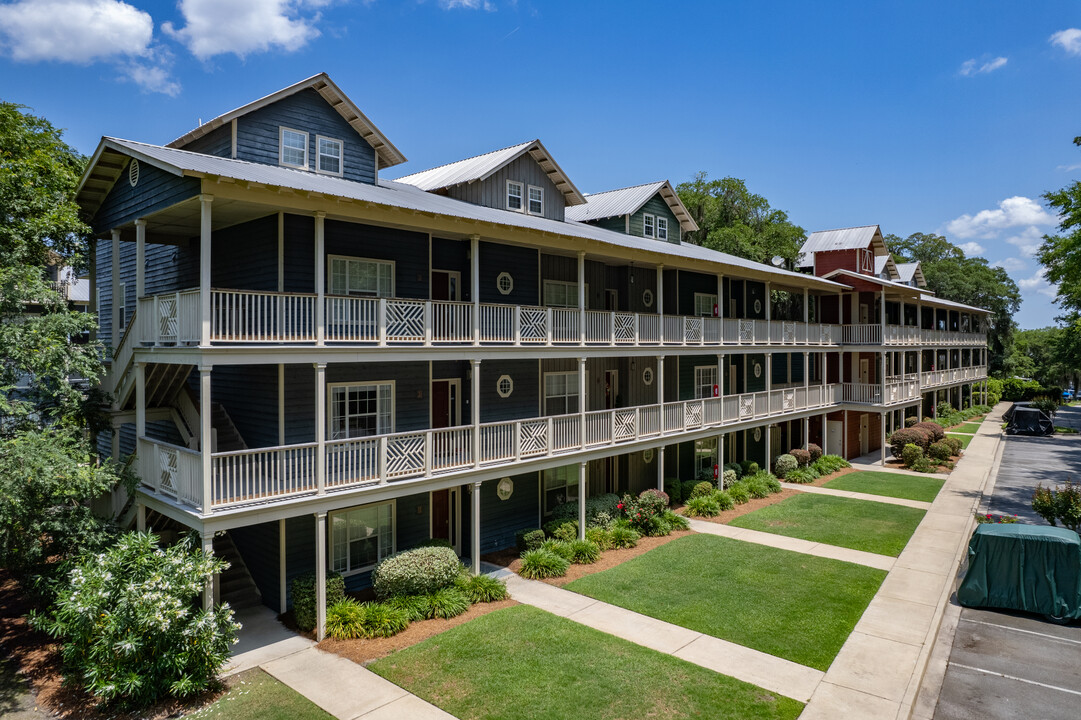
point(1024, 567)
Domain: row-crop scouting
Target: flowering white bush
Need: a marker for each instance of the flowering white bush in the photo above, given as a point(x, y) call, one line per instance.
point(132, 626)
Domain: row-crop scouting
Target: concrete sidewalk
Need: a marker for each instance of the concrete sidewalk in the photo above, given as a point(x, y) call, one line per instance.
point(766, 671)
point(858, 495)
point(878, 672)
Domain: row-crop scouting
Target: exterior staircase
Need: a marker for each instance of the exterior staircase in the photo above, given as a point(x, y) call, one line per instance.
point(226, 437)
point(237, 587)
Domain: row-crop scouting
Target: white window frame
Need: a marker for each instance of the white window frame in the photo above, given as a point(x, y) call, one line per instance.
point(509, 285)
point(705, 449)
point(570, 390)
point(509, 386)
point(704, 304)
point(565, 286)
point(281, 148)
point(122, 310)
point(529, 200)
point(705, 377)
point(381, 553)
point(319, 156)
point(649, 225)
point(662, 228)
point(332, 434)
point(353, 259)
point(558, 474)
point(521, 196)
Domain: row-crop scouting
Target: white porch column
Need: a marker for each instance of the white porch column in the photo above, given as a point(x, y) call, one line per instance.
point(583, 485)
point(660, 386)
point(320, 277)
point(720, 380)
point(474, 411)
point(140, 517)
point(806, 309)
point(882, 313)
point(769, 447)
point(806, 431)
point(720, 301)
point(882, 380)
point(474, 545)
point(281, 566)
point(206, 438)
point(769, 314)
point(806, 369)
point(204, 267)
point(769, 371)
point(118, 332)
point(582, 297)
point(882, 440)
point(582, 389)
point(140, 400)
point(320, 575)
point(281, 269)
point(474, 284)
point(140, 259)
point(720, 461)
point(660, 468)
point(211, 584)
point(660, 300)
point(321, 429)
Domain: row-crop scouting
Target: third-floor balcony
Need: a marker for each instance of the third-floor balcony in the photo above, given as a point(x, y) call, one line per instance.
point(901, 335)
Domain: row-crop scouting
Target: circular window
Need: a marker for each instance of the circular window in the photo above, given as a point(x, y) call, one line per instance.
point(647, 376)
point(504, 283)
point(133, 172)
point(505, 488)
point(757, 434)
point(647, 455)
point(758, 370)
point(757, 306)
point(647, 297)
point(504, 386)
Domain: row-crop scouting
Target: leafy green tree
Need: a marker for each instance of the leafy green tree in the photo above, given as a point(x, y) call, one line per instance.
point(1061, 254)
point(734, 220)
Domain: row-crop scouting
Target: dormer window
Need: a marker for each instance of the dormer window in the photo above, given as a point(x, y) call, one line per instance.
point(662, 228)
point(294, 149)
point(329, 158)
point(536, 200)
point(649, 226)
point(514, 196)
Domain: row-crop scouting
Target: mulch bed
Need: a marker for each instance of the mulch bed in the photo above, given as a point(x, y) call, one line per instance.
point(37, 657)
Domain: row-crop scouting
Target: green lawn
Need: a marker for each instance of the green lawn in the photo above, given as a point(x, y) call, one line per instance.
point(968, 428)
point(523, 663)
point(795, 606)
point(253, 694)
point(965, 439)
point(909, 487)
point(858, 524)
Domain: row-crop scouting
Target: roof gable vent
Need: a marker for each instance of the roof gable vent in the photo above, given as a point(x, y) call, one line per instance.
point(133, 172)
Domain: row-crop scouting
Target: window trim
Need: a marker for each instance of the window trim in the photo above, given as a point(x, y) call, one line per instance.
point(545, 510)
point(281, 148)
point(567, 285)
point(345, 511)
point(649, 229)
point(122, 308)
point(354, 258)
point(712, 304)
point(361, 383)
point(521, 196)
point(565, 396)
point(529, 200)
point(499, 283)
point(319, 155)
point(698, 385)
point(499, 386)
point(660, 220)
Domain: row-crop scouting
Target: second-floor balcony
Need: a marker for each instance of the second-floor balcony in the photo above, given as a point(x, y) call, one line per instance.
point(935, 378)
point(268, 474)
point(901, 335)
point(908, 387)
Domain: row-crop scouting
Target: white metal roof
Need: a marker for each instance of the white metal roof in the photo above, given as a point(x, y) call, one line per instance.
point(627, 201)
point(908, 271)
point(397, 194)
point(854, 238)
point(884, 262)
point(385, 151)
point(922, 294)
point(480, 167)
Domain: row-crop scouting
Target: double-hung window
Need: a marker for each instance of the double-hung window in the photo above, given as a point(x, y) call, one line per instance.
point(649, 226)
point(560, 486)
point(705, 454)
point(514, 196)
point(359, 276)
point(361, 410)
point(559, 293)
point(536, 200)
point(704, 304)
point(329, 155)
point(293, 150)
point(705, 377)
point(361, 537)
point(560, 393)
point(122, 311)
point(662, 228)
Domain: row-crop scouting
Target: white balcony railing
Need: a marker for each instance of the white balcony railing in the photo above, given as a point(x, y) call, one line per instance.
point(901, 335)
point(935, 378)
point(267, 474)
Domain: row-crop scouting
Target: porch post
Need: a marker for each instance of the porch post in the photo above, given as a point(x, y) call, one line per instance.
point(720, 461)
point(474, 545)
point(140, 517)
point(140, 259)
point(769, 314)
point(660, 468)
point(118, 332)
point(320, 277)
point(140, 400)
point(582, 297)
point(806, 310)
point(281, 566)
point(769, 371)
point(204, 267)
point(94, 302)
point(660, 387)
point(206, 438)
point(720, 301)
point(882, 380)
point(474, 412)
point(211, 584)
point(882, 313)
point(582, 401)
point(320, 576)
point(806, 431)
point(583, 484)
point(882, 439)
point(660, 300)
point(769, 447)
point(321, 429)
point(806, 369)
point(474, 284)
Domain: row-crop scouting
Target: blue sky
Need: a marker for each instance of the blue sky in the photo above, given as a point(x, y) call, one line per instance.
point(948, 117)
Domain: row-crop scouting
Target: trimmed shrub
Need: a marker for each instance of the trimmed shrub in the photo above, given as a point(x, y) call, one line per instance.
point(757, 486)
point(802, 475)
point(345, 619)
point(415, 572)
point(815, 451)
point(566, 532)
point(528, 539)
point(415, 607)
point(703, 506)
point(724, 500)
point(729, 478)
point(595, 506)
point(939, 451)
point(687, 490)
point(828, 464)
point(674, 521)
point(910, 454)
point(914, 435)
point(749, 467)
point(702, 489)
point(623, 537)
point(350, 619)
point(1049, 406)
point(802, 456)
point(784, 464)
point(562, 548)
point(944, 409)
point(1061, 505)
point(540, 564)
point(481, 588)
point(641, 511)
point(303, 587)
point(584, 552)
point(446, 603)
point(601, 536)
point(955, 444)
point(739, 493)
point(924, 465)
point(735, 468)
point(435, 542)
point(911, 420)
point(674, 488)
point(933, 429)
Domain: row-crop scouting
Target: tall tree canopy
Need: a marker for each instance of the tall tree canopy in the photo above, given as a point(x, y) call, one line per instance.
point(953, 276)
point(734, 220)
point(1061, 254)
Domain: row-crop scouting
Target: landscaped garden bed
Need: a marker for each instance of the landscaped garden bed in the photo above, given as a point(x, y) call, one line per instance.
point(908, 487)
point(965, 439)
point(791, 605)
point(524, 663)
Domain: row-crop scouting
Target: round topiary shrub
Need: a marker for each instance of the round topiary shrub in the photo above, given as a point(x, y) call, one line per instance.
point(939, 451)
point(911, 454)
point(911, 420)
point(814, 450)
point(528, 539)
point(540, 564)
point(729, 478)
point(784, 464)
point(803, 457)
point(933, 429)
point(415, 572)
point(908, 436)
point(702, 489)
point(955, 445)
point(687, 491)
point(735, 468)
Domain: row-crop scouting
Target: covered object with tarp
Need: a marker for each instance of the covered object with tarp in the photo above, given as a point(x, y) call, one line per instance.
point(1029, 421)
point(1024, 567)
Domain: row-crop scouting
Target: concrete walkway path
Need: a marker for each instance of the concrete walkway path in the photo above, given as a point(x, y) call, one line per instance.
point(807, 547)
point(766, 671)
point(858, 495)
point(878, 672)
point(865, 463)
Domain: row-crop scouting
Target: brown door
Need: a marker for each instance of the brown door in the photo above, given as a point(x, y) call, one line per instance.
point(440, 404)
point(441, 516)
point(440, 285)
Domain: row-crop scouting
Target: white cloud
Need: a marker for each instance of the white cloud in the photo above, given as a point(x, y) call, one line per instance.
point(78, 31)
point(1027, 241)
point(467, 5)
point(1069, 40)
point(216, 27)
point(1010, 264)
point(972, 248)
point(152, 78)
point(1038, 284)
point(975, 67)
point(1011, 212)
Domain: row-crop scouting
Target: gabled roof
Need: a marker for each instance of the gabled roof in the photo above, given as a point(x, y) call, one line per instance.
point(854, 238)
point(385, 151)
point(921, 294)
point(908, 271)
point(481, 167)
point(390, 193)
point(885, 262)
point(627, 201)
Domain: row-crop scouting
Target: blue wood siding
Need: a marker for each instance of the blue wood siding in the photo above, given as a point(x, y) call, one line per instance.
point(755, 291)
point(259, 547)
point(408, 250)
point(245, 256)
point(412, 521)
point(658, 207)
point(500, 519)
point(249, 394)
point(756, 384)
point(756, 450)
point(687, 364)
point(258, 134)
point(299, 254)
point(520, 262)
point(492, 191)
point(216, 142)
point(671, 292)
point(691, 283)
point(523, 401)
point(780, 369)
point(155, 190)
